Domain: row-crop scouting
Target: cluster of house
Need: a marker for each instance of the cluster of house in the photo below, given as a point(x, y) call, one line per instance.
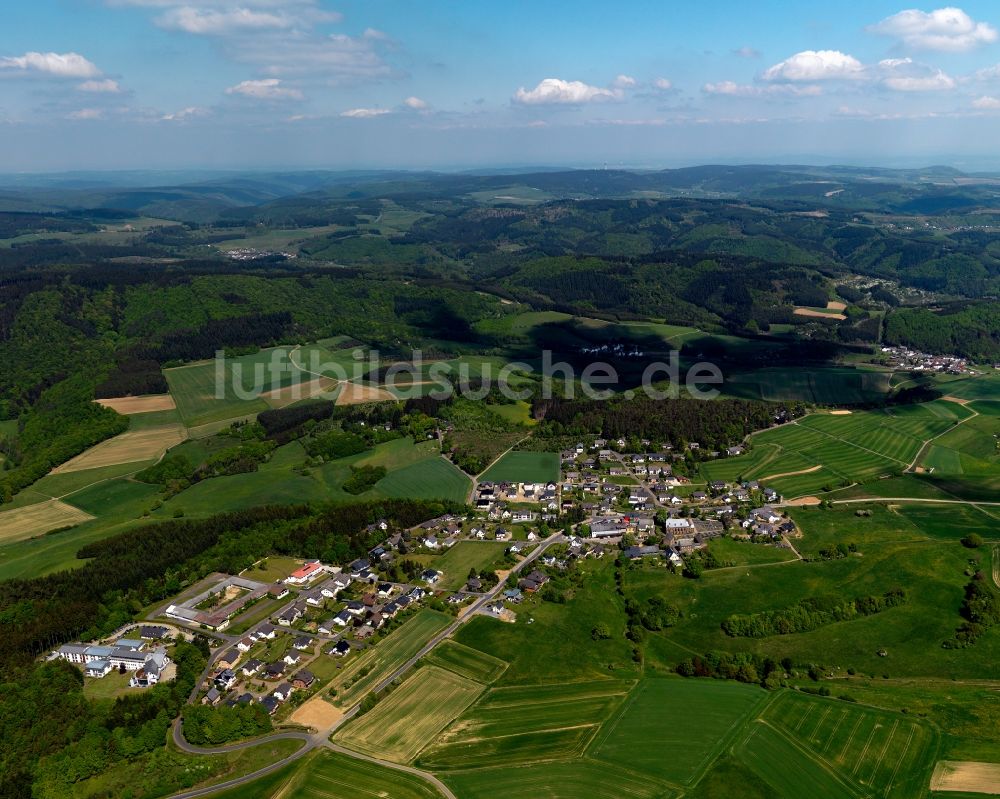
point(226, 678)
point(916, 361)
point(493, 501)
point(125, 654)
point(376, 606)
point(768, 523)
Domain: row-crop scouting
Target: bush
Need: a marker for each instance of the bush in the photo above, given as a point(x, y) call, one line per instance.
point(972, 541)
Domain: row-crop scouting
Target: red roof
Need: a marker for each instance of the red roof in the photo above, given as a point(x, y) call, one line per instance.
point(305, 571)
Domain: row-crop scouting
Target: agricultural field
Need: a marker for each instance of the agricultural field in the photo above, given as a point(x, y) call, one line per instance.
point(403, 723)
point(825, 386)
point(456, 562)
point(560, 780)
point(253, 383)
point(38, 519)
point(132, 446)
point(136, 405)
point(332, 775)
point(526, 724)
point(822, 451)
point(466, 661)
point(662, 710)
point(524, 467)
point(376, 663)
point(782, 765)
point(847, 749)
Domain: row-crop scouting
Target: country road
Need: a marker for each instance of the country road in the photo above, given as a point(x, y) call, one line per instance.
point(320, 738)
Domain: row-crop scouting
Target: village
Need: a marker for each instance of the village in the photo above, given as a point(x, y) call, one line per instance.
point(278, 641)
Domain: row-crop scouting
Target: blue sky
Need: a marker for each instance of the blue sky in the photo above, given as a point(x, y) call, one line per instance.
point(105, 84)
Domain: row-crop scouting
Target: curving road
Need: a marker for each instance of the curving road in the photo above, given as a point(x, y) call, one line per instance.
point(321, 738)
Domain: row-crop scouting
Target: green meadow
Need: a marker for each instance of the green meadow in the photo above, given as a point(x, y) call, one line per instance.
point(524, 467)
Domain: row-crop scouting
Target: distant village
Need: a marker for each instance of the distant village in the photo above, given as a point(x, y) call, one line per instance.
point(913, 361)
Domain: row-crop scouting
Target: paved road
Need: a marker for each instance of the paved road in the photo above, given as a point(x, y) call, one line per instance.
point(321, 737)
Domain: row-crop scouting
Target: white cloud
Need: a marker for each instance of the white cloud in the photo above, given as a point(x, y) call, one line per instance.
point(106, 86)
point(663, 84)
point(278, 37)
point(747, 52)
point(730, 88)
point(59, 65)
point(989, 73)
point(812, 65)
point(266, 89)
point(185, 113)
point(86, 113)
point(416, 103)
point(364, 113)
point(986, 103)
point(948, 29)
point(554, 91)
point(204, 21)
point(906, 75)
point(624, 82)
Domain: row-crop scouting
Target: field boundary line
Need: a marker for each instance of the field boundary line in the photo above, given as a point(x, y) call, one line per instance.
point(726, 740)
point(613, 720)
point(929, 441)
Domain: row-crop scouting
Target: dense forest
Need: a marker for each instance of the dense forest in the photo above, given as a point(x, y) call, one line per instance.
point(713, 425)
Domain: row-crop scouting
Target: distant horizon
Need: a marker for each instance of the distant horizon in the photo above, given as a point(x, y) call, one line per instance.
point(117, 85)
point(903, 165)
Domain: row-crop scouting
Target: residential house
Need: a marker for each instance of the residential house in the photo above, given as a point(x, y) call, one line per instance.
point(303, 679)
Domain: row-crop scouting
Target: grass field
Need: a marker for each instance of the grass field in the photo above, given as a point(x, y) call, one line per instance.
point(403, 723)
point(433, 478)
point(415, 470)
point(526, 724)
point(524, 467)
point(32, 520)
point(465, 661)
point(378, 662)
point(456, 562)
point(662, 710)
point(540, 647)
point(571, 780)
point(911, 546)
